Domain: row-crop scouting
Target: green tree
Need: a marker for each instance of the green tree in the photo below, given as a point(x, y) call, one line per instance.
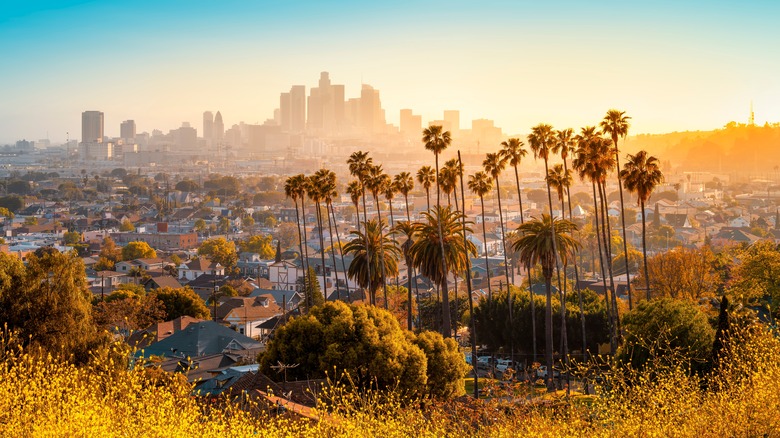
point(365, 271)
point(662, 332)
point(480, 184)
point(47, 302)
point(259, 244)
point(366, 342)
point(138, 250)
point(181, 302)
point(685, 274)
point(220, 250)
point(426, 176)
point(312, 294)
point(441, 238)
point(13, 203)
point(200, 226)
point(539, 242)
point(71, 238)
point(126, 226)
point(4, 212)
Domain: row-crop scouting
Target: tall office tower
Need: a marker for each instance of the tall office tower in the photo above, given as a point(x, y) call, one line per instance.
point(452, 117)
point(326, 107)
point(411, 125)
point(127, 129)
point(92, 127)
point(372, 118)
point(284, 112)
point(219, 128)
point(297, 108)
point(208, 126)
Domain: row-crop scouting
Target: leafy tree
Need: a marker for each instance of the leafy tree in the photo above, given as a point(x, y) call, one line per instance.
point(270, 222)
point(247, 223)
point(12, 203)
point(220, 250)
point(287, 235)
point(71, 237)
point(260, 244)
point(4, 212)
point(756, 276)
point(104, 264)
point(128, 313)
point(682, 274)
point(366, 266)
point(187, 186)
point(126, 226)
point(127, 290)
point(200, 226)
point(138, 250)
point(312, 294)
point(181, 302)
point(18, 187)
point(223, 227)
point(31, 220)
point(665, 331)
point(47, 302)
point(367, 343)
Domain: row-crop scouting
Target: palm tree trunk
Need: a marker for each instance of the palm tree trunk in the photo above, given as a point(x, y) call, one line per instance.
point(332, 248)
point(644, 251)
point(300, 239)
point(564, 334)
point(392, 222)
point(305, 255)
point(503, 234)
point(548, 334)
point(428, 197)
point(531, 296)
point(371, 290)
point(519, 197)
point(607, 300)
point(473, 328)
point(555, 256)
point(322, 252)
point(484, 237)
point(357, 220)
point(455, 196)
point(623, 222)
point(410, 269)
point(607, 232)
point(576, 269)
point(445, 323)
point(341, 255)
point(381, 249)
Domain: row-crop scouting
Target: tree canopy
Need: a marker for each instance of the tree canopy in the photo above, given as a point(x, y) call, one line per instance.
point(220, 250)
point(181, 302)
point(138, 250)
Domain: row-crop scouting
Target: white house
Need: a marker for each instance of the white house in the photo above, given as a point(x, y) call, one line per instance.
point(199, 266)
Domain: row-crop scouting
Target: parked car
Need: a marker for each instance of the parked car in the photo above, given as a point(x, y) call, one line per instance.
point(503, 364)
point(484, 362)
point(541, 372)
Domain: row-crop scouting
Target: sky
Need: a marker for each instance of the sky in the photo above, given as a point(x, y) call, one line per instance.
point(671, 65)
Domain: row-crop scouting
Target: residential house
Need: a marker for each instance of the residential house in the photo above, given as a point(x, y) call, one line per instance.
point(159, 331)
point(202, 339)
point(199, 266)
point(243, 314)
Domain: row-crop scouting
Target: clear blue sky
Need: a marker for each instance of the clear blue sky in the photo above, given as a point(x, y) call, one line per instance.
point(671, 65)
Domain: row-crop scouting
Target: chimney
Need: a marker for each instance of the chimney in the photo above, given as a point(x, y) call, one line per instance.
point(162, 227)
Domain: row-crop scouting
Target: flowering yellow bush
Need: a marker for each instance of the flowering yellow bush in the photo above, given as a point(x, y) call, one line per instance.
point(44, 396)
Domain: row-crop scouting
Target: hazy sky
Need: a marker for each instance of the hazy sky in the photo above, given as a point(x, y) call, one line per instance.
point(672, 65)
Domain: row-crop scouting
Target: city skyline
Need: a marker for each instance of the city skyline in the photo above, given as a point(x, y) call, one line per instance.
point(671, 67)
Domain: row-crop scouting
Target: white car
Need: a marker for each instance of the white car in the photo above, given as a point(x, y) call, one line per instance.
point(503, 364)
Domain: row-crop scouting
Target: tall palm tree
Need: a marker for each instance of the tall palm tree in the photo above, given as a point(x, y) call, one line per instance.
point(359, 163)
point(363, 267)
point(481, 184)
point(404, 183)
point(445, 183)
point(494, 164)
point(327, 181)
point(642, 173)
point(437, 140)
point(293, 190)
point(566, 144)
point(616, 124)
point(452, 170)
point(355, 191)
point(560, 180)
point(426, 176)
point(538, 242)
point(441, 237)
point(512, 151)
point(314, 190)
point(409, 231)
point(376, 181)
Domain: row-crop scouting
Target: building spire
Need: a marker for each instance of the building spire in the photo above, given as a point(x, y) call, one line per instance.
point(752, 119)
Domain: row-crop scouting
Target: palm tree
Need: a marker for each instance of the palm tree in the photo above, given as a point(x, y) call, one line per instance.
point(293, 190)
point(437, 140)
point(494, 163)
point(382, 251)
point(642, 173)
point(389, 190)
point(314, 190)
point(451, 172)
point(376, 181)
point(409, 231)
point(426, 176)
point(441, 238)
point(327, 181)
point(512, 151)
point(616, 124)
point(355, 191)
point(404, 183)
point(481, 184)
point(539, 243)
point(560, 180)
point(593, 161)
point(359, 163)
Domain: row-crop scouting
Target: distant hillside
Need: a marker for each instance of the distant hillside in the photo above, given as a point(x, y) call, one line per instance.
point(735, 148)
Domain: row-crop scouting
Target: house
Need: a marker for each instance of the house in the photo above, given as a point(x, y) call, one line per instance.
point(154, 264)
point(284, 275)
point(204, 338)
point(739, 222)
point(729, 235)
point(159, 331)
point(162, 281)
point(198, 266)
point(243, 314)
point(677, 220)
point(250, 264)
point(288, 300)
